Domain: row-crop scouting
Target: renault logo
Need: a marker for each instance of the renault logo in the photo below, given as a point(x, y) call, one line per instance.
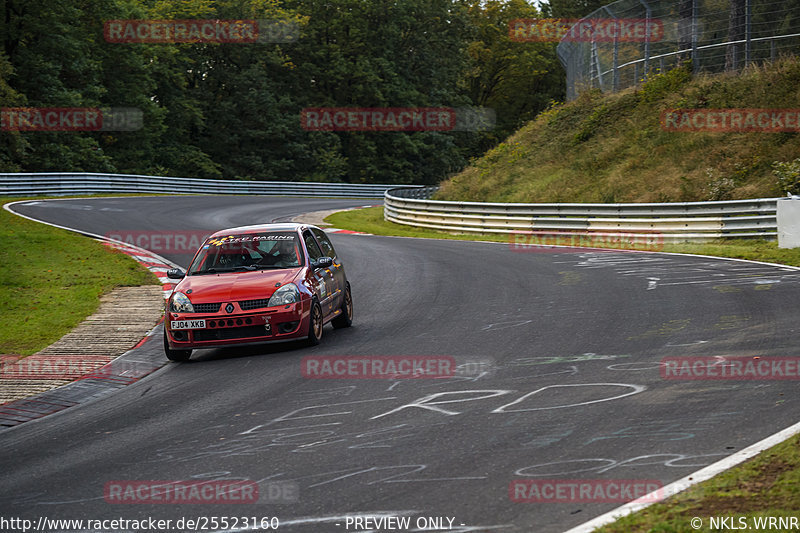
point(229, 308)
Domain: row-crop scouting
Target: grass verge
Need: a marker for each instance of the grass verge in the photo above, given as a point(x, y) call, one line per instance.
point(766, 486)
point(370, 220)
point(614, 148)
point(51, 279)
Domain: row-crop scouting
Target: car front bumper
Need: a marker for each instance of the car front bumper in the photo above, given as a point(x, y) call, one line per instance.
point(272, 324)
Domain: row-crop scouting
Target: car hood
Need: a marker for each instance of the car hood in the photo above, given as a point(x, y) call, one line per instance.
point(232, 286)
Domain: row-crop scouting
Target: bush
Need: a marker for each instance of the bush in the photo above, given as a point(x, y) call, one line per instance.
point(788, 174)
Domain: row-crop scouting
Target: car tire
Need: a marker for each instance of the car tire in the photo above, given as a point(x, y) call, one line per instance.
point(315, 323)
point(175, 355)
point(345, 318)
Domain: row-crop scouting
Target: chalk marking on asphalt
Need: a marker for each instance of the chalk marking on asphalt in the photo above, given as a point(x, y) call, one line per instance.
point(684, 483)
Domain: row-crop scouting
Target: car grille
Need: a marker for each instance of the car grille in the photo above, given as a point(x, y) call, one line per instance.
point(247, 305)
point(229, 333)
point(206, 308)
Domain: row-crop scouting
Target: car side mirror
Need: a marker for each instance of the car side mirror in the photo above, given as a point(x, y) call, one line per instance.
point(175, 273)
point(323, 262)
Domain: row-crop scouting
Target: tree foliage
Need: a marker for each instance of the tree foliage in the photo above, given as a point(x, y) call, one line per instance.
point(217, 110)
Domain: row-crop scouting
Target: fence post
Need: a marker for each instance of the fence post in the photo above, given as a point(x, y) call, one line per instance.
point(648, 14)
point(736, 33)
point(596, 65)
point(615, 60)
point(748, 13)
point(695, 57)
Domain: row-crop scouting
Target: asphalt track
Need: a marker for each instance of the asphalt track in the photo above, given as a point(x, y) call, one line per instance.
point(583, 331)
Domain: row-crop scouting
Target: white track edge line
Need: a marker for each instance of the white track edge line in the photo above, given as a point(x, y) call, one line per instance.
point(684, 483)
point(7, 207)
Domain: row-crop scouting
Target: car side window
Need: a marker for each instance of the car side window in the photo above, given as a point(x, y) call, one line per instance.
point(311, 245)
point(324, 242)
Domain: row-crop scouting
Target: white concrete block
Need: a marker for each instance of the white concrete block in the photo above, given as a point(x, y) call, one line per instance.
point(789, 222)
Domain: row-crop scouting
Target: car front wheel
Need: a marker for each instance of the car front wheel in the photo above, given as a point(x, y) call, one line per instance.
point(315, 323)
point(175, 355)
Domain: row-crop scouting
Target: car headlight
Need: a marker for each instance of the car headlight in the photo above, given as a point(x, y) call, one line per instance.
point(288, 294)
point(179, 303)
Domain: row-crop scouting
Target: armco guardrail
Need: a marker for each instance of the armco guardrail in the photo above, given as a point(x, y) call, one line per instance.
point(33, 184)
point(684, 221)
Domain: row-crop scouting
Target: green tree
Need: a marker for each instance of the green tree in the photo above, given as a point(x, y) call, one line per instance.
point(359, 53)
point(12, 144)
point(51, 54)
point(572, 8)
point(233, 110)
point(248, 98)
point(516, 79)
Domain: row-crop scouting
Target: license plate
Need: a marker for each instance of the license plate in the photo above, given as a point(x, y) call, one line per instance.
point(187, 324)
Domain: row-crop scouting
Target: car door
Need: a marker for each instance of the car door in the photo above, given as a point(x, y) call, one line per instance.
point(322, 278)
point(339, 280)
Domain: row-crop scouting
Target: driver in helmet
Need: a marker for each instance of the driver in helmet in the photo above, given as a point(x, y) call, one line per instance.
point(283, 253)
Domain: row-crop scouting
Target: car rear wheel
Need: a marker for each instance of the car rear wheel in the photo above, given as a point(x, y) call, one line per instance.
point(175, 355)
point(345, 318)
point(315, 323)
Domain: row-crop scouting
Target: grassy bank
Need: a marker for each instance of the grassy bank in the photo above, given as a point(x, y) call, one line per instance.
point(51, 279)
point(612, 148)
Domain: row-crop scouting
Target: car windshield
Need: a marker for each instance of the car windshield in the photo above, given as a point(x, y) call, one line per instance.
point(251, 251)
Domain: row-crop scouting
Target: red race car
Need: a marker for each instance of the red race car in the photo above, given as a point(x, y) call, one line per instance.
point(257, 284)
